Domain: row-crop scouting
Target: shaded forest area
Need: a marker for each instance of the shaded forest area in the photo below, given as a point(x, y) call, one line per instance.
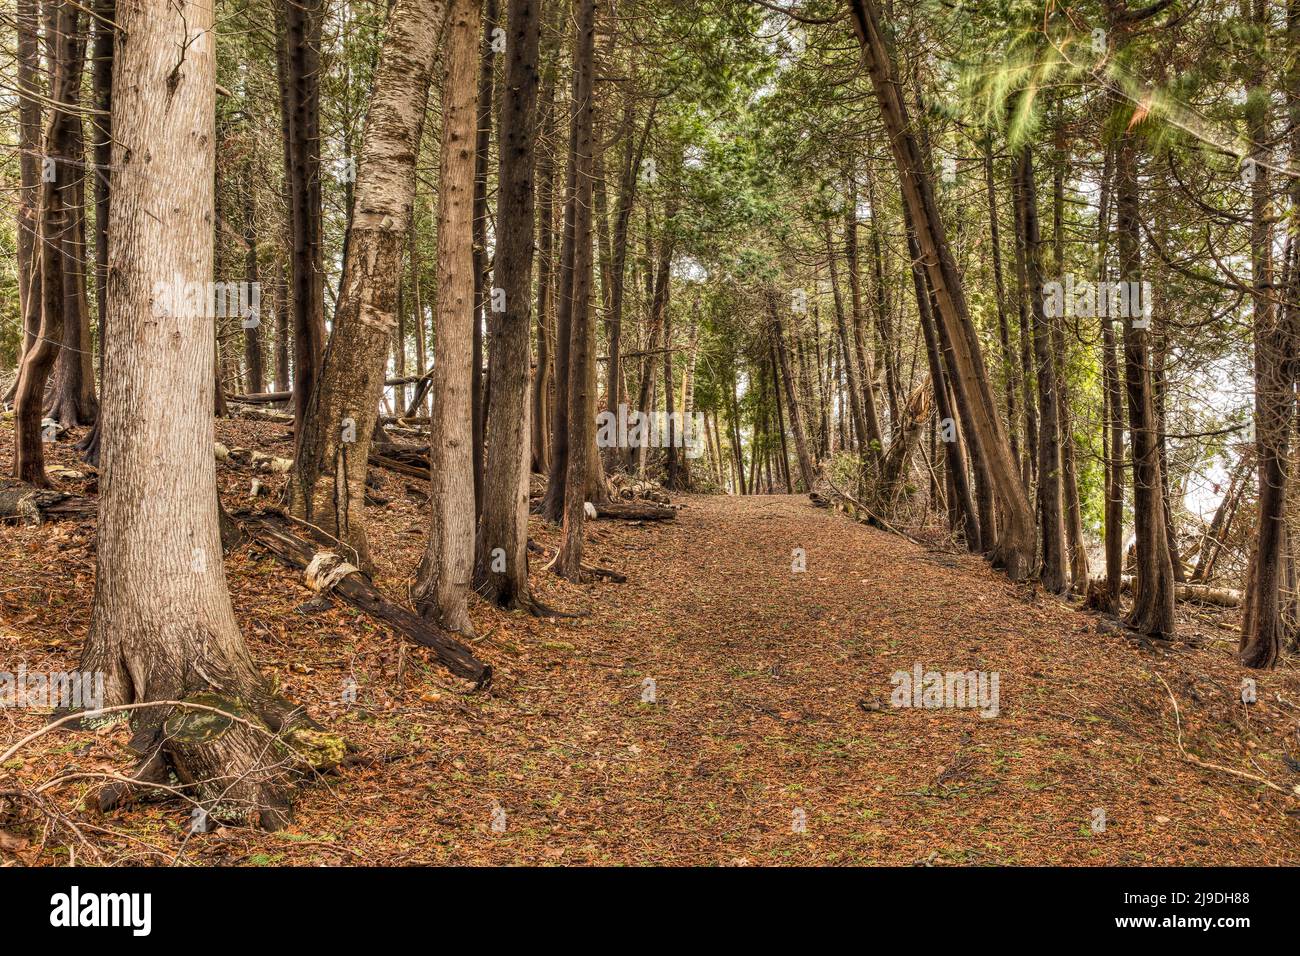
point(373, 372)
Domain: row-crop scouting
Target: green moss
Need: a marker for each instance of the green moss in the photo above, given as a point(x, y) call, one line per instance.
point(319, 748)
point(202, 726)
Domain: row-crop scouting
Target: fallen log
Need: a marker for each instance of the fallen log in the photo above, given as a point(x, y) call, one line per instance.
point(635, 511)
point(255, 414)
point(252, 458)
point(1197, 593)
point(272, 531)
point(20, 501)
point(261, 398)
point(401, 467)
point(272, 398)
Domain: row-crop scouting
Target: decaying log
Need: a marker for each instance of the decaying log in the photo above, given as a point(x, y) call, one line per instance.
point(1197, 593)
point(23, 502)
point(635, 511)
point(251, 458)
point(258, 415)
point(261, 398)
point(273, 532)
point(272, 398)
point(402, 468)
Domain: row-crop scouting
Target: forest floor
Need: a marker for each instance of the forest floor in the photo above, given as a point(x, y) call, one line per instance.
point(770, 738)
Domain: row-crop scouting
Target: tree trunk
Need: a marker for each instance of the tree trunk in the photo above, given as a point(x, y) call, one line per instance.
point(1013, 546)
point(581, 397)
point(29, 163)
point(806, 472)
point(1262, 628)
point(859, 352)
point(299, 69)
point(543, 377)
point(862, 403)
point(962, 516)
point(552, 506)
point(1000, 293)
point(162, 626)
point(254, 372)
point(502, 551)
point(1153, 602)
point(632, 159)
point(56, 196)
point(482, 147)
point(71, 398)
point(102, 154)
point(1050, 513)
point(447, 569)
point(327, 487)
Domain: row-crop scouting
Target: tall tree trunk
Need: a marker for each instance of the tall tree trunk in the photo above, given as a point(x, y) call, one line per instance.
point(553, 501)
point(962, 516)
point(29, 164)
point(161, 607)
point(1262, 628)
point(55, 198)
point(1000, 293)
point(101, 125)
point(1050, 517)
point(254, 371)
point(327, 487)
point(1076, 547)
point(672, 479)
point(447, 569)
point(633, 155)
point(1153, 598)
point(71, 396)
point(482, 147)
point(1107, 598)
point(734, 416)
point(862, 402)
point(581, 397)
point(502, 552)
point(776, 329)
point(543, 377)
point(299, 69)
point(283, 303)
point(1013, 546)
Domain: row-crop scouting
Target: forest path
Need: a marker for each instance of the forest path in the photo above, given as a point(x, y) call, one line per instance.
point(771, 737)
point(772, 696)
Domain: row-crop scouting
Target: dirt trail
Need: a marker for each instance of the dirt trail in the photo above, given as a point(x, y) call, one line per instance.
point(770, 738)
point(772, 714)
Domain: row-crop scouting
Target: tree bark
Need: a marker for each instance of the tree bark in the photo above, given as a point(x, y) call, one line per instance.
point(1262, 628)
point(502, 551)
point(806, 472)
point(1153, 602)
point(447, 569)
point(327, 488)
point(29, 164)
point(1013, 546)
point(299, 70)
point(581, 396)
point(1050, 513)
point(56, 197)
point(162, 626)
